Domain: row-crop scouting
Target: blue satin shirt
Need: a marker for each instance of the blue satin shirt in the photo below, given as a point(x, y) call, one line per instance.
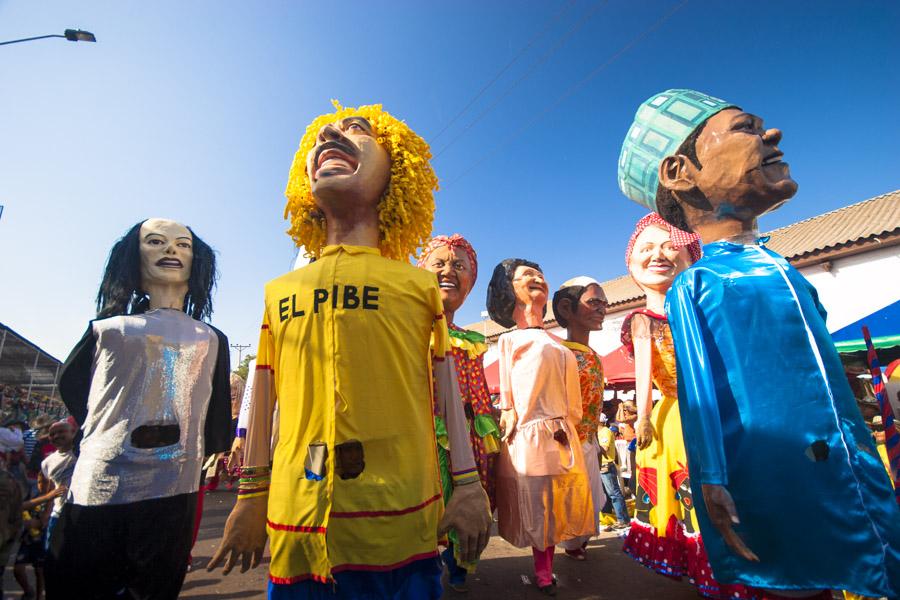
point(768, 413)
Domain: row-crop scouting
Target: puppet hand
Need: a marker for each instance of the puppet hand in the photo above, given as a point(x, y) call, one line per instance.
point(507, 423)
point(236, 456)
point(645, 433)
point(722, 513)
point(469, 513)
point(245, 536)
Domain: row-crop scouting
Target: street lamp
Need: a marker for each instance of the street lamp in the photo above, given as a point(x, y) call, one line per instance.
point(73, 35)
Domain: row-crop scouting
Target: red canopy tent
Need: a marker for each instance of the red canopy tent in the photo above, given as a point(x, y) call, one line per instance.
point(618, 367)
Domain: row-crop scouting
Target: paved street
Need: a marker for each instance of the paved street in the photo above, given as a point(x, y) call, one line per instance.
point(504, 572)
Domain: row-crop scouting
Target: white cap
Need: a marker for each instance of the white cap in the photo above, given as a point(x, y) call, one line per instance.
point(582, 280)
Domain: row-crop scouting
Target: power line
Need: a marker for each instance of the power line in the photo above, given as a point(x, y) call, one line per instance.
point(487, 86)
point(534, 67)
point(572, 90)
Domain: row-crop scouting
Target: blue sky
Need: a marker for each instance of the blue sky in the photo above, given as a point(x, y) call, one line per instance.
point(193, 110)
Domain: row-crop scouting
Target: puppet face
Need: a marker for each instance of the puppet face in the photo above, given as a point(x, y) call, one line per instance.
point(348, 163)
point(455, 275)
point(654, 261)
point(742, 174)
point(529, 286)
point(590, 310)
point(167, 253)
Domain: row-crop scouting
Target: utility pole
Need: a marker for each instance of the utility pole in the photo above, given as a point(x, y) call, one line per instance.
point(240, 348)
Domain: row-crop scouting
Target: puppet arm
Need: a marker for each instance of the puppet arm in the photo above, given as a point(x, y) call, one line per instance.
point(468, 511)
point(640, 335)
point(697, 398)
point(700, 411)
point(75, 376)
point(508, 415)
point(216, 431)
point(244, 539)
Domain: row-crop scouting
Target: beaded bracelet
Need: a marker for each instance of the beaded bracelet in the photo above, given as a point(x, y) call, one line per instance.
point(253, 482)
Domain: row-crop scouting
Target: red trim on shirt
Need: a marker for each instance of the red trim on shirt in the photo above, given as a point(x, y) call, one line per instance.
point(296, 528)
point(298, 579)
point(383, 513)
point(264, 368)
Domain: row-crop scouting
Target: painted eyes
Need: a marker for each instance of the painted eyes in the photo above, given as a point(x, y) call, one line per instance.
point(456, 265)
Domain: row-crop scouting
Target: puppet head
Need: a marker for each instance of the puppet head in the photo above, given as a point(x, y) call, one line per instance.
point(362, 160)
point(691, 157)
point(657, 252)
point(516, 283)
point(237, 392)
point(454, 261)
point(580, 302)
point(157, 252)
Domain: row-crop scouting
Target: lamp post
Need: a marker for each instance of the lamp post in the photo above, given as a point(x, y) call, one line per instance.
point(73, 35)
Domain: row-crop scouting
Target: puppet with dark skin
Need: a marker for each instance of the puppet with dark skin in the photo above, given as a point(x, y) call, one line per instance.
point(742, 177)
point(740, 311)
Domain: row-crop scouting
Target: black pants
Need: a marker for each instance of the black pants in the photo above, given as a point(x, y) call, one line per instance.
point(136, 551)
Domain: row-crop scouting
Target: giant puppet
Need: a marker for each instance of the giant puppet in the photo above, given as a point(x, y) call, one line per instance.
point(148, 385)
point(543, 492)
point(664, 535)
point(454, 261)
point(353, 504)
point(789, 490)
point(580, 306)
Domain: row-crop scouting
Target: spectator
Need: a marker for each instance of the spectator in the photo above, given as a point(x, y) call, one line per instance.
point(626, 416)
point(56, 469)
point(10, 516)
point(609, 475)
point(30, 436)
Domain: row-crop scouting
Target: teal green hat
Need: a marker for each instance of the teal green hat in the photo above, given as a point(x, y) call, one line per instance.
point(661, 125)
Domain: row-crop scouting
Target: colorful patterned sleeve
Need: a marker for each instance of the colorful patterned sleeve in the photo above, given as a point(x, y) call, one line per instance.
point(257, 453)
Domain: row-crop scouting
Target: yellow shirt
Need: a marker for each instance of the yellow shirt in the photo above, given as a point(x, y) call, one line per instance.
point(607, 440)
point(344, 350)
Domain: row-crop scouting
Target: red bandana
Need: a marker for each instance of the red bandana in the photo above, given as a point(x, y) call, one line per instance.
point(454, 241)
point(680, 239)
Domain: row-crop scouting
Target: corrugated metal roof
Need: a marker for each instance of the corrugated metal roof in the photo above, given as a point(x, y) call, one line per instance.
point(869, 219)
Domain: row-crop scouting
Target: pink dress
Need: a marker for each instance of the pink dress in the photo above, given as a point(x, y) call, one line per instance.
point(543, 494)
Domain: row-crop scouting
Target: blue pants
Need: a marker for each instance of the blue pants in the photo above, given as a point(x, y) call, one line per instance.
point(419, 580)
point(456, 573)
point(614, 492)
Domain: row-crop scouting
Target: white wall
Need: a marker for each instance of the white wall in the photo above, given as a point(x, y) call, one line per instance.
point(857, 285)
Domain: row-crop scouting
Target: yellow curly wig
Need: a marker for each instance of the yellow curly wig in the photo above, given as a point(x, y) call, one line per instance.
point(405, 212)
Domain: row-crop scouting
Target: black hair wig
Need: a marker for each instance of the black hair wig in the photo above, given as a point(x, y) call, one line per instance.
point(120, 290)
point(572, 293)
point(501, 297)
point(667, 205)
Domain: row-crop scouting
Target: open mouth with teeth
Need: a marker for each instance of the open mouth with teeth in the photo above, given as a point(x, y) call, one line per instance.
point(333, 158)
point(448, 285)
point(169, 263)
point(660, 267)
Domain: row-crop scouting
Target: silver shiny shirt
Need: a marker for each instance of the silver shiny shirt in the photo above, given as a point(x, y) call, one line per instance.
point(154, 368)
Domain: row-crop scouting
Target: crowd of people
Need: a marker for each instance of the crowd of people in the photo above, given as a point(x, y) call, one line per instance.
point(368, 453)
point(17, 403)
point(36, 463)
